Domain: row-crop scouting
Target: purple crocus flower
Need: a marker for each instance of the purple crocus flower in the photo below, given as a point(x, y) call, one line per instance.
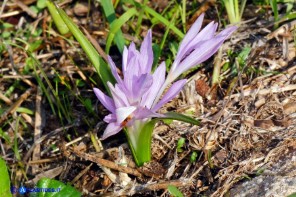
point(134, 94)
point(197, 46)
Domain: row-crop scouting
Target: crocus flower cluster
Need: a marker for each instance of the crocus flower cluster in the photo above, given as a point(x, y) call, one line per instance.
point(136, 96)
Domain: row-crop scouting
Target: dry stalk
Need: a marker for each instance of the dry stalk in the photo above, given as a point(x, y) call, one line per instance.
point(107, 163)
point(37, 130)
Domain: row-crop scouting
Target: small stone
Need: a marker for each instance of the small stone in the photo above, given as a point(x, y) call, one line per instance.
point(81, 9)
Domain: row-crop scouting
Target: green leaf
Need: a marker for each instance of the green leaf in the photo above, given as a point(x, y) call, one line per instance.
point(6, 25)
point(5, 182)
point(287, 17)
point(243, 55)
point(193, 157)
point(29, 64)
point(273, 4)
point(163, 20)
point(292, 195)
point(111, 17)
point(180, 117)
point(156, 53)
point(57, 19)
point(139, 136)
point(259, 171)
point(34, 8)
point(180, 144)
point(35, 45)
point(6, 34)
point(139, 139)
point(117, 24)
point(87, 104)
point(5, 136)
point(61, 190)
point(174, 191)
point(80, 83)
point(101, 67)
point(37, 32)
point(24, 110)
point(41, 4)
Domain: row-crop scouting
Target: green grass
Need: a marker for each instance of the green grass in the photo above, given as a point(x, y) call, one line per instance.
point(5, 180)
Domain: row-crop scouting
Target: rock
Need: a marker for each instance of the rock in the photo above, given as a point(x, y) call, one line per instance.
point(279, 180)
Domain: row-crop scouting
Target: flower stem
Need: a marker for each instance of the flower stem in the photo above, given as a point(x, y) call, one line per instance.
point(139, 137)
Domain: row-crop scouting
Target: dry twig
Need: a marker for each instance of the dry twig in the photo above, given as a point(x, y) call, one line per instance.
point(108, 164)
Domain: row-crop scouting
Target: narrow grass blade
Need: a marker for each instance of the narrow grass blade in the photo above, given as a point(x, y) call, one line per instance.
point(102, 68)
point(183, 15)
point(167, 30)
point(236, 11)
point(180, 117)
point(242, 8)
point(117, 24)
point(288, 17)
point(62, 112)
point(232, 9)
point(62, 27)
point(163, 20)
point(273, 4)
point(140, 19)
point(15, 143)
point(111, 18)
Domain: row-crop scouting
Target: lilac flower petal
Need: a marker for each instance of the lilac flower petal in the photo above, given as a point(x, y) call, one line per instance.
point(206, 49)
point(144, 112)
point(141, 85)
point(193, 31)
point(146, 53)
point(114, 70)
point(170, 94)
point(129, 77)
point(158, 80)
point(123, 112)
point(132, 51)
point(112, 129)
point(128, 54)
point(207, 33)
point(119, 97)
point(202, 52)
point(105, 100)
point(228, 31)
point(134, 67)
point(110, 118)
point(124, 60)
